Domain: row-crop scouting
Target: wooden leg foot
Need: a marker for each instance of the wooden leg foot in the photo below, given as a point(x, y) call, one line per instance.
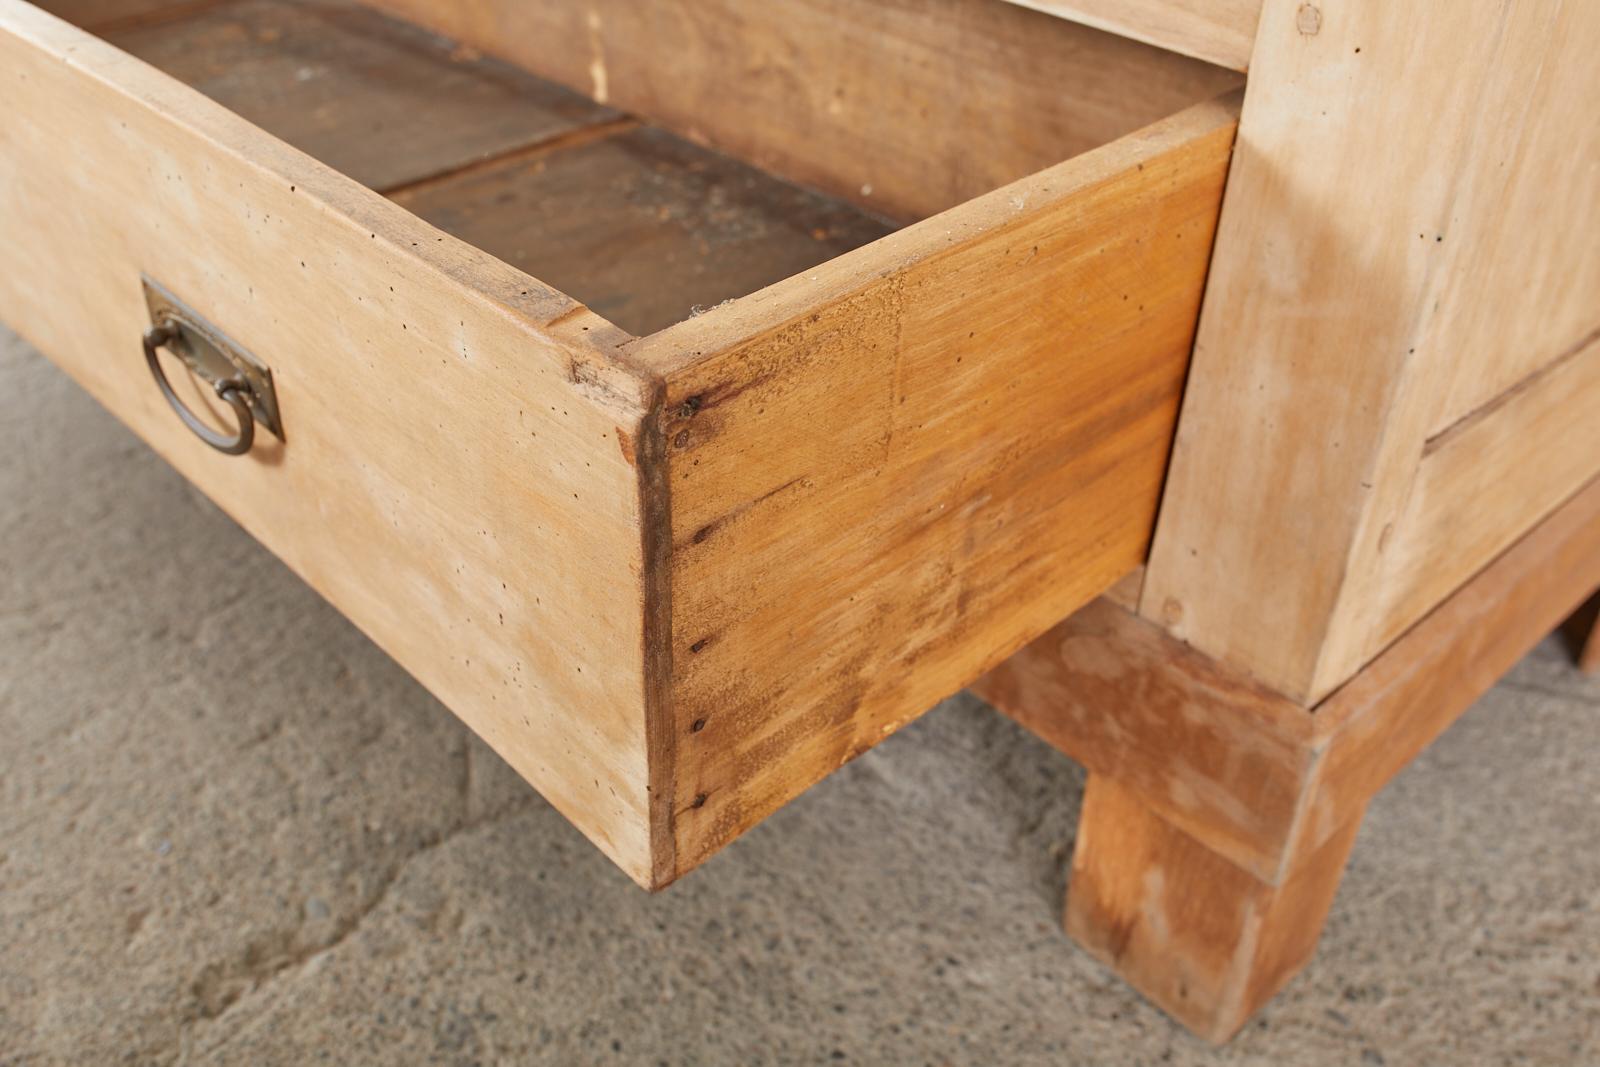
point(1208, 942)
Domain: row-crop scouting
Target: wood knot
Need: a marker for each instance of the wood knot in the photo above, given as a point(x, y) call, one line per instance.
point(1172, 611)
point(1308, 20)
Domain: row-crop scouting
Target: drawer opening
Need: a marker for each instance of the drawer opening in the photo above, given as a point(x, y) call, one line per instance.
point(655, 160)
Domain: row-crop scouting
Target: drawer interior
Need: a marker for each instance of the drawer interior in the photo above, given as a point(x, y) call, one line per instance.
point(643, 223)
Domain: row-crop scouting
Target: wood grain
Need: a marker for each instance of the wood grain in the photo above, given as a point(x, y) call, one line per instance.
point(890, 472)
point(1218, 756)
point(1479, 482)
point(643, 226)
point(1254, 776)
point(1378, 722)
point(378, 100)
point(1204, 940)
point(459, 479)
point(1523, 282)
point(907, 107)
point(1359, 248)
point(1217, 31)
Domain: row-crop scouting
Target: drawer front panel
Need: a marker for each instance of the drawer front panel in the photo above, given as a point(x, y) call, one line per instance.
point(459, 475)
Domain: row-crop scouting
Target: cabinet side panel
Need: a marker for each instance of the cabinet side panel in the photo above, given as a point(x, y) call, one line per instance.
point(1358, 244)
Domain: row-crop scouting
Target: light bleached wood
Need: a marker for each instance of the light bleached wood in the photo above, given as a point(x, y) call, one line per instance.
point(1207, 942)
point(908, 108)
point(1378, 721)
point(566, 534)
point(1522, 285)
point(459, 476)
point(1254, 776)
point(1217, 31)
point(891, 471)
point(1479, 483)
point(1355, 232)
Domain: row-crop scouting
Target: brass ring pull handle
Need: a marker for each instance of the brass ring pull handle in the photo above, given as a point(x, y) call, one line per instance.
point(240, 380)
point(235, 392)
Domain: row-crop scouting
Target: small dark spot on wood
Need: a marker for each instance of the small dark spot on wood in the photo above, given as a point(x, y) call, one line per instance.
point(699, 801)
point(681, 438)
point(700, 645)
point(701, 534)
point(691, 405)
point(697, 726)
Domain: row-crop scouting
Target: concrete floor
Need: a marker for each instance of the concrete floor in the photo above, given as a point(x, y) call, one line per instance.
point(232, 831)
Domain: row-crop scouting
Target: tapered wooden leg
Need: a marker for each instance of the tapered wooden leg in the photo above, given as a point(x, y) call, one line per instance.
point(1208, 942)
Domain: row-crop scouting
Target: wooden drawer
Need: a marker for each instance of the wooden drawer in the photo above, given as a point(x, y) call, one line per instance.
point(807, 475)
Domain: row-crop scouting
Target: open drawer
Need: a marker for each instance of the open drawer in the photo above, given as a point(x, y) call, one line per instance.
point(750, 476)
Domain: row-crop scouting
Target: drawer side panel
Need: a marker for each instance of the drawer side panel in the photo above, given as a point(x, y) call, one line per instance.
point(892, 472)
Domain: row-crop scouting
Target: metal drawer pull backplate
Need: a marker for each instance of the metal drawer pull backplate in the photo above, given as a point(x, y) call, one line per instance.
point(240, 380)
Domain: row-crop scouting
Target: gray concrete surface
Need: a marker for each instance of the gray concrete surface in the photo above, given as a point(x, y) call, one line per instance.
point(232, 831)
